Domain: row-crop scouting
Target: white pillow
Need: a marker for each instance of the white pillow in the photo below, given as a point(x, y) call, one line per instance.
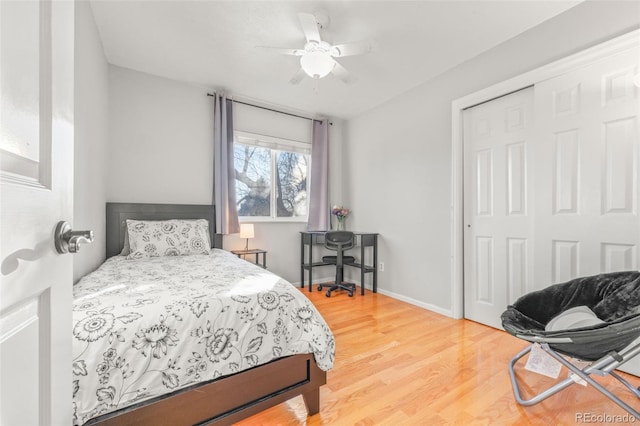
point(168, 238)
point(578, 317)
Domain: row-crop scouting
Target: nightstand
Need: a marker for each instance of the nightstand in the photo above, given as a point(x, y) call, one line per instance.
point(257, 252)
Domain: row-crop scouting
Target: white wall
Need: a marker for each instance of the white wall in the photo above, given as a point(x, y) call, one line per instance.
point(160, 134)
point(91, 137)
point(161, 151)
point(402, 189)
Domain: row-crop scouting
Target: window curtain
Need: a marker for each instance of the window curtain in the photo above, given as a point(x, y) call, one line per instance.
point(224, 180)
point(319, 208)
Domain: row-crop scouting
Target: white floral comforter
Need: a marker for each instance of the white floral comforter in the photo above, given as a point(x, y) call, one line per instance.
point(142, 328)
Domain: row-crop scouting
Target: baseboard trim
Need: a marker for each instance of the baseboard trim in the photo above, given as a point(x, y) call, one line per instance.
point(411, 301)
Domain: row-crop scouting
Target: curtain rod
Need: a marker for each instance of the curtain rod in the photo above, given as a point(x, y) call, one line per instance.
point(271, 109)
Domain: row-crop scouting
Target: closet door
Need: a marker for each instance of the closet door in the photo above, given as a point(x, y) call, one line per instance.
point(587, 171)
point(498, 225)
point(555, 196)
point(587, 159)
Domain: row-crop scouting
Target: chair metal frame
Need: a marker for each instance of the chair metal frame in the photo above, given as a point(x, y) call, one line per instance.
point(602, 367)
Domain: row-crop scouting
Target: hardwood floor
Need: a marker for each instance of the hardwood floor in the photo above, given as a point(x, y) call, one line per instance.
point(398, 364)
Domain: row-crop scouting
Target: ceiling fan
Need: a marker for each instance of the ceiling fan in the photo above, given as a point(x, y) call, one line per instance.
point(317, 57)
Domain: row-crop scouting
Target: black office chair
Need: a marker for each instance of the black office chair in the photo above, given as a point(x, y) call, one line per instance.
point(339, 241)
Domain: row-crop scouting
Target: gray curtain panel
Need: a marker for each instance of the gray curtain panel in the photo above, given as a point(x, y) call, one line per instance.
point(319, 208)
point(224, 180)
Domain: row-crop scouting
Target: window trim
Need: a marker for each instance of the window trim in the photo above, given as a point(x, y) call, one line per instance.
point(271, 142)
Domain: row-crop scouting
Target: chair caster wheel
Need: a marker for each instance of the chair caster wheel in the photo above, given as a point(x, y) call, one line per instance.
point(319, 288)
point(350, 294)
point(328, 294)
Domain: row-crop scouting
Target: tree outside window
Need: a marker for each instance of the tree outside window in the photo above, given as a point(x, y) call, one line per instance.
point(271, 177)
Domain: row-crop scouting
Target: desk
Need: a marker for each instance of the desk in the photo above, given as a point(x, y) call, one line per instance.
point(364, 240)
point(244, 253)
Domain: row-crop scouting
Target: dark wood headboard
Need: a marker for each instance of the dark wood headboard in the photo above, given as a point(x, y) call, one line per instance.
point(118, 213)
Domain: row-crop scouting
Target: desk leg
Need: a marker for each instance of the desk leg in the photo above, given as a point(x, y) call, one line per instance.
point(301, 261)
point(311, 264)
point(361, 268)
point(264, 260)
point(375, 263)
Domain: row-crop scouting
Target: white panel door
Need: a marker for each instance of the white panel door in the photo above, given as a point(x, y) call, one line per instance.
point(558, 198)
point(587, 163)
point(36, 191)
point(497, 245)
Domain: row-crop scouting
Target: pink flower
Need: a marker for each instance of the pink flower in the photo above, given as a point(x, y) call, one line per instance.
point(339, 212)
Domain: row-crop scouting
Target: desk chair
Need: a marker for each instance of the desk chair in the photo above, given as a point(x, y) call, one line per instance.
point(339, 241)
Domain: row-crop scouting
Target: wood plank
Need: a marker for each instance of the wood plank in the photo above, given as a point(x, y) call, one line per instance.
point(400, 364)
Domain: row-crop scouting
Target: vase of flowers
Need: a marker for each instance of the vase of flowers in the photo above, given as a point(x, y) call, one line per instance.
point(341, 214)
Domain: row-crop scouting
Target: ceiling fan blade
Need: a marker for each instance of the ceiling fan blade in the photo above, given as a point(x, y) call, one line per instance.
point(350, 49)
point(283, 50)
point(297, 77)
point(309, 26)
point(342, 73)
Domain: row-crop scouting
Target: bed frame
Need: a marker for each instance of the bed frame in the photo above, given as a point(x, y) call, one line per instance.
point(225, 400)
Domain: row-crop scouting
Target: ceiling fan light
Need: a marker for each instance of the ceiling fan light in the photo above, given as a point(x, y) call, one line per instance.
point(317, 64)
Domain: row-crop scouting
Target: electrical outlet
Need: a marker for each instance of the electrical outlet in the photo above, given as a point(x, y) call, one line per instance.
point(381, 268)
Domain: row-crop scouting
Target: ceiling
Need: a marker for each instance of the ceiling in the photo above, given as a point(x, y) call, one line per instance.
point(212, 44)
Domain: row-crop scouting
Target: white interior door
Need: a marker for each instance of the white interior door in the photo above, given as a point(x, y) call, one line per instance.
point(575, 174)
point(498, 225)
point(36, 191)
point(587, 164)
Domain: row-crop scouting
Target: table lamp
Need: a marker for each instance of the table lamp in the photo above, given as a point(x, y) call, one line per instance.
point(246, 231)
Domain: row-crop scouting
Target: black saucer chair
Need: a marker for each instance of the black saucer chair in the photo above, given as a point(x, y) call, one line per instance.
point(606, 344)
point(339, 241)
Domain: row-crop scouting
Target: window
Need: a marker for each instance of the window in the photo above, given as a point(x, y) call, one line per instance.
point(271, 177)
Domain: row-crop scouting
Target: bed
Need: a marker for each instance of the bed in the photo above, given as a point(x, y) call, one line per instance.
point(201, 338)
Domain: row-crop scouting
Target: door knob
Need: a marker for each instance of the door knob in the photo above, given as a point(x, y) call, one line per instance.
point(68, 241)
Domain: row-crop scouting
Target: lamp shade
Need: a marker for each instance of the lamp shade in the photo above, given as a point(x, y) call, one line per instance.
point(246, 230)
point(317, 64)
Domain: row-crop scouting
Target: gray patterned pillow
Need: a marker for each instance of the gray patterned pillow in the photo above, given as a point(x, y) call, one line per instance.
point(167, 238)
